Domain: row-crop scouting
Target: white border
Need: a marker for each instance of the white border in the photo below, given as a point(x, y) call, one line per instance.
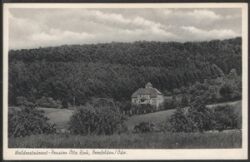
point(145, 154)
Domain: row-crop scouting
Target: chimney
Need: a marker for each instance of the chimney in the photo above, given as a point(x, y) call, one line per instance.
point(148, 85)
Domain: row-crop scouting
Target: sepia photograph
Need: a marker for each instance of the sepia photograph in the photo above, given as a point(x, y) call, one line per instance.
point(125, 81)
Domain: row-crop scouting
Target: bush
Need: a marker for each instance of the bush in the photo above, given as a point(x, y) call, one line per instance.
point(202, 118)
point(226, 91)
point(176, 91)
point(179, 122)
point(184, 101)
point(170, 103)
point(27, 121)
point(125, 107)
point(48, 102)
point(144, 127)
point(226, 118)
point(97, 119)
point(141, 109)
point(23, 101)
point(196, 118)
point(65, 103)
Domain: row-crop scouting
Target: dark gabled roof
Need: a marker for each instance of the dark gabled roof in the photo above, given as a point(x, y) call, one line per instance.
point(153, 92)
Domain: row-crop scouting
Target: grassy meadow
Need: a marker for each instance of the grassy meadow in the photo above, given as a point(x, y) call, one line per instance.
point(58, 116)
point(167, 140)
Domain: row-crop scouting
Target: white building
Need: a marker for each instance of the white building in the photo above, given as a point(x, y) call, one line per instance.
point(147, 95)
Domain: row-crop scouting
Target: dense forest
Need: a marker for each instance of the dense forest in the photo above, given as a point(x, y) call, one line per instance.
point(72, 74)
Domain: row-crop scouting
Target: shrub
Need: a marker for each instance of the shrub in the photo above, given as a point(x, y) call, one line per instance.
point(167, 93)
point(48, 102)
point(23, 101)
point(140, 109)
point(202, 118)
point(232, 88)
point(184, 101)
point(170, 103)
point(144, 127)
point(226, 91)
point(125, 107)
point(226, 118)
point(179, 122)
point(65, 103)
point(27, 121)
point(212, 94)
point(176, 91)
point(97, 119)
point(197, 118)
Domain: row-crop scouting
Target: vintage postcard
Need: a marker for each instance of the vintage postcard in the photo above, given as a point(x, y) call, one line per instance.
point(125, 81)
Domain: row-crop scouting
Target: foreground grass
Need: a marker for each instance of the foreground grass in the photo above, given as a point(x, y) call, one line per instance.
point(228, 139)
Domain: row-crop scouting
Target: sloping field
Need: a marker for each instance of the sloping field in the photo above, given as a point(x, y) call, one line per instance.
point(58, 116)
point(234, 103)
point(156, 117)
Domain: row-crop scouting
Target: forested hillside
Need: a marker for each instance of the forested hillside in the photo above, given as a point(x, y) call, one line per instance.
point(75, 73)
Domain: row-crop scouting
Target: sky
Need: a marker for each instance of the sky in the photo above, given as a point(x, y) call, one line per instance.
point(34, 28)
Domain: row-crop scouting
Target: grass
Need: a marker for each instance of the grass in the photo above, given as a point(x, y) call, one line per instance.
point(226, 139)
point(58, 116)
point(156, 117)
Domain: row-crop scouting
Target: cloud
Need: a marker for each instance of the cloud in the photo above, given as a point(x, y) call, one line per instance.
point(117, 18)
point(204, 14)
point(57, 35)
point(198, 14)
point(31, 28)
point(200, 34)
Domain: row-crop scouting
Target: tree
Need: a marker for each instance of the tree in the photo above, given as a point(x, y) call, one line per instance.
point(232, 74)
point(201, 117)
point(167, 93)
point(226, 91)
point(217, 71)
point(179, 122)
point(196, 118)
point(125, 106)
point(48, 102)
point(22, 101)
point(176, 91)
point(144, 127)
point(27, 121)
point(184, 101)
point(226, 118)
point(97, 119)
